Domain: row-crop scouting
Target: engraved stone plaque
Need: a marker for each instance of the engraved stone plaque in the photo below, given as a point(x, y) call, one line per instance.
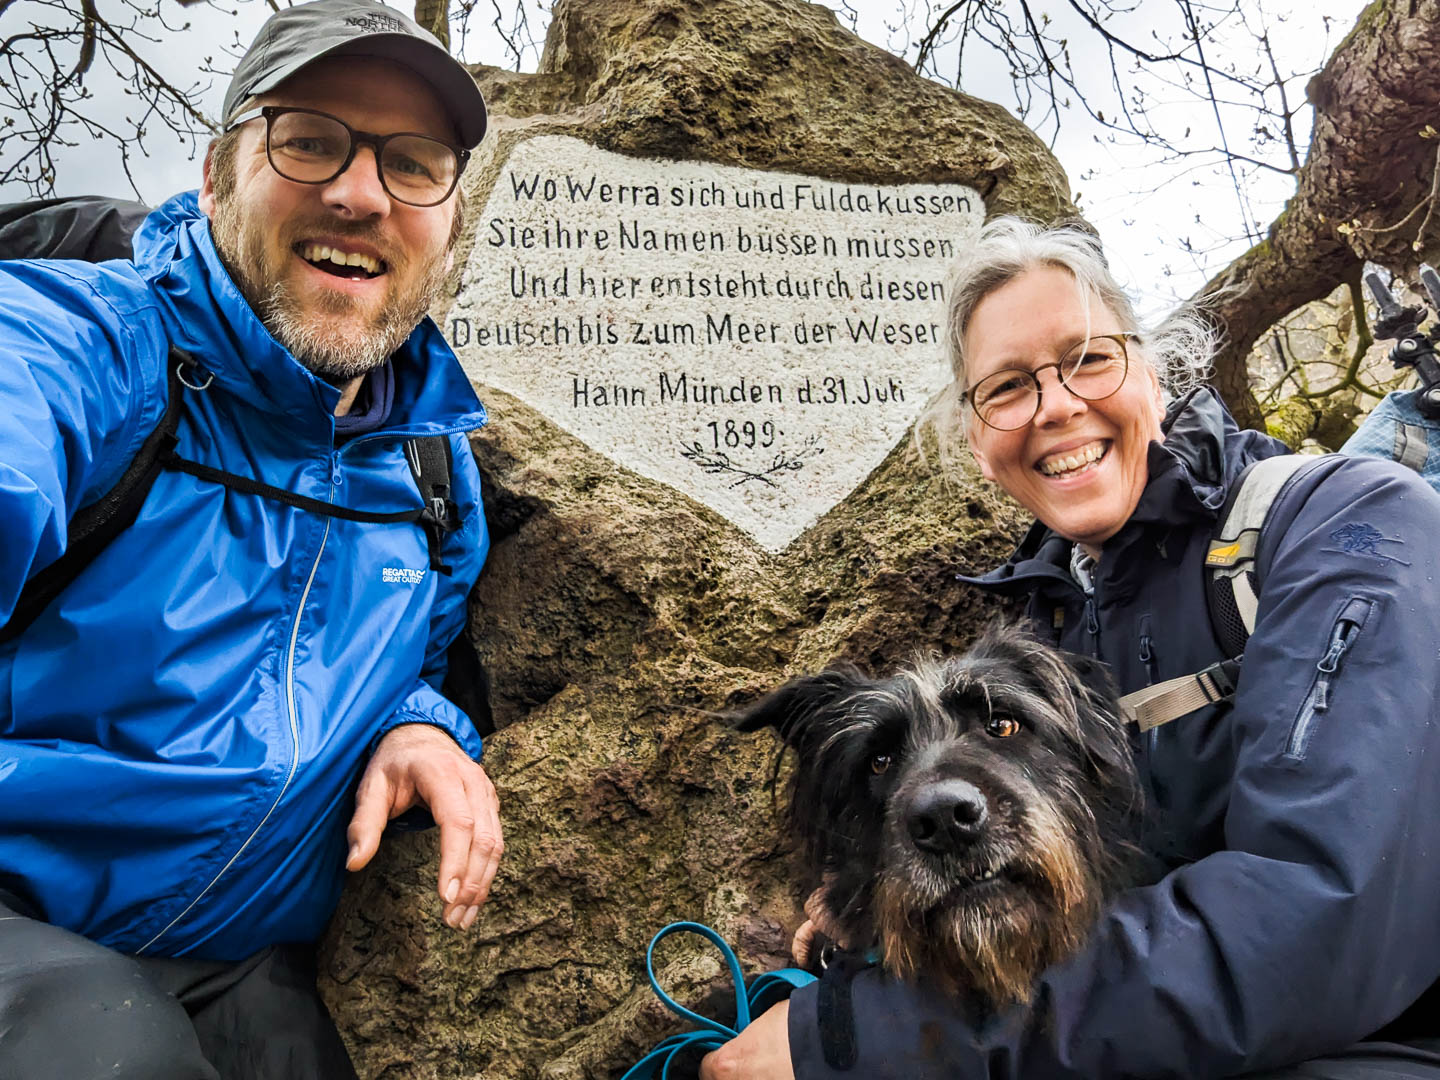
point(757, 340)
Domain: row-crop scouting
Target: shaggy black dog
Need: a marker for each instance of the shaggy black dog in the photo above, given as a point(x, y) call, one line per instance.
point(967, 818)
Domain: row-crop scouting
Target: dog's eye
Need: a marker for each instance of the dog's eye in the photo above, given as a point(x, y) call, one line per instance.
point(1002, 727)
point(879, 763)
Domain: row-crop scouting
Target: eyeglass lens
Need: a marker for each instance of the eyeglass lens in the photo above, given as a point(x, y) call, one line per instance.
point(310, 148)
point(1092, 370)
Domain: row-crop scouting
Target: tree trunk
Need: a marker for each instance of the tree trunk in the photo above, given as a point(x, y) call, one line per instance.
point(434, 15)
point(1367, 189)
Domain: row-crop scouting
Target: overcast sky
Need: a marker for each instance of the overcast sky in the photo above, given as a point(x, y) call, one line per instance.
point(1146, 211)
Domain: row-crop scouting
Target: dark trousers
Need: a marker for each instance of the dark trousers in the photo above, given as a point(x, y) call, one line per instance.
point(1418, 1060)
point(74, 1010)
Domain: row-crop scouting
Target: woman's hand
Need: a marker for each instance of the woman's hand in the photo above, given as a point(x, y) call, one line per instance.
point(816, 924)
point(760, 1052)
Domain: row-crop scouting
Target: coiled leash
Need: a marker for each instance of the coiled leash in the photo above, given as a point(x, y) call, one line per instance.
point(765, 990)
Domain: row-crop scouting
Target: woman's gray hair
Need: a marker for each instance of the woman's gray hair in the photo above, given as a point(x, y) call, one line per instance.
point(1179, 349)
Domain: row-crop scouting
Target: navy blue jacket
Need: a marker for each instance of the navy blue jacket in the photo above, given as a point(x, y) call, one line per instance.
point(1301, 827)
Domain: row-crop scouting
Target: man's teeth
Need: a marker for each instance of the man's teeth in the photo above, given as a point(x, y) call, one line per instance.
point(1057, 465)
point(322, 253)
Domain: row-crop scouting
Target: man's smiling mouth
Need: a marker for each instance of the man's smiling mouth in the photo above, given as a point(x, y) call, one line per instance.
point(354, 265)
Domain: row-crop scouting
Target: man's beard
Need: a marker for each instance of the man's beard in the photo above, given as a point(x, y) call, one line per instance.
point(316, 334)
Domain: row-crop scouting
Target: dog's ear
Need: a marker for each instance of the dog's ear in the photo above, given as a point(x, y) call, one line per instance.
point(1107, 741)
point(1093, 675)
point(791, 708)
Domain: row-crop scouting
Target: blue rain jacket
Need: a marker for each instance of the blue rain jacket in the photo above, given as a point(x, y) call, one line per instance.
point(1300, 826)
point(182, 730)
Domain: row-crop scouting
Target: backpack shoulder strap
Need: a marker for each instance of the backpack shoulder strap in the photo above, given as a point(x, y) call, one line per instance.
point(1231, 578)
point(94, 526)
point(431, 461)
point(466, 683)
point(1232, 594)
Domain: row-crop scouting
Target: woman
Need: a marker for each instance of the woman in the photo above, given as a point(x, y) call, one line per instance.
point(1299, 920)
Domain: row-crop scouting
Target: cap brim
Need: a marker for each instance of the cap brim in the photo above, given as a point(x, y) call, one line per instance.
point(452, 83)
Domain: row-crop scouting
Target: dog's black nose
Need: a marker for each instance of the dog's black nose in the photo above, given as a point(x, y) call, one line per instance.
point(946, 816)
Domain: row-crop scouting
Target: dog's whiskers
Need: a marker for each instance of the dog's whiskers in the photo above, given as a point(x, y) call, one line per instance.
point(836, 834)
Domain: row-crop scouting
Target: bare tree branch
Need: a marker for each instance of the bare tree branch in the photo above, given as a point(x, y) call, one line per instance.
point(46, 65)
point(1245, 212)
point(927, 43)
point(87, 45)
point(1286, 115)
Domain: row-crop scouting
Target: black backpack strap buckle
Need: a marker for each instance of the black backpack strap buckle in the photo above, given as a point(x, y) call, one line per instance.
point(430, 460)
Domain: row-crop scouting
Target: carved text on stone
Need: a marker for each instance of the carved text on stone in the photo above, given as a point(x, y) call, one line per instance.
point(758, 340)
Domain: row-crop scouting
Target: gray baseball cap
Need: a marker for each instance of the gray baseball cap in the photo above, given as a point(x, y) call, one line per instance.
point(296, 36)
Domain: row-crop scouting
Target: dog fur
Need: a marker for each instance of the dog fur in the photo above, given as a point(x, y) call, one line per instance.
point(966, 818)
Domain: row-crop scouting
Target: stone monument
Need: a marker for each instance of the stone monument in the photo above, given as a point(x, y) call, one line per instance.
point(701, 292)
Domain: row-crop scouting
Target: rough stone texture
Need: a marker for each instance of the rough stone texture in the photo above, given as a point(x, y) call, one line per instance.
point(617, 618)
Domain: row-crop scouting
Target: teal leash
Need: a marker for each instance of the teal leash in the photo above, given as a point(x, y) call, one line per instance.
point(764, 990)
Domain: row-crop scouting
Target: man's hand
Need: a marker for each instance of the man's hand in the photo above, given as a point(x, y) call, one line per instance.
point(760, 1052)
point(421, 764)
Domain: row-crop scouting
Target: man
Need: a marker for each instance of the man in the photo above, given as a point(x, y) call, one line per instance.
point(183, 727)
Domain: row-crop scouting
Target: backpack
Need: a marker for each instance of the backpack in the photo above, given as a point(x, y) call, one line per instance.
point(91, 229)
point(88, 227)
point(1233, 580)
point(1404, 427)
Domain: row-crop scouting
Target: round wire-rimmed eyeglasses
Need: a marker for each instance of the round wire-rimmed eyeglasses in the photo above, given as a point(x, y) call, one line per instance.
point(1092, 370)
point(312, 147)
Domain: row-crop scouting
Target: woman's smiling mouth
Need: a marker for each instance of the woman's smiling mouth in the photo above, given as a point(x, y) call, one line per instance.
point(1073, 462)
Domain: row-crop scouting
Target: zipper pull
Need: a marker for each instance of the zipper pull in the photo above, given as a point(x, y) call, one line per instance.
point(1339, 642)
point(335, 468)
point(1329, 664)
point(1091, 622)
point(1147, 657)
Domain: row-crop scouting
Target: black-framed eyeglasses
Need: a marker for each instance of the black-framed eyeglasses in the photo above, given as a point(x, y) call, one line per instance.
point(1092, 369)
point(311, 147)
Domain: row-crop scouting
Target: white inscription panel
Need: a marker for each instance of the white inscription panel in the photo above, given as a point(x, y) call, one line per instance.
point(757, 340)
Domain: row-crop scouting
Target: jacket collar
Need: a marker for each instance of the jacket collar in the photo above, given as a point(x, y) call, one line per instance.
point(205, 314)
point(1189, 474)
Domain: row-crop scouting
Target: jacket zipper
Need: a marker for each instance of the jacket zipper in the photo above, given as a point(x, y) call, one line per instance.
point(1092, 624)
point(1342, 635)
point(293, 716)
point(1147, 658)
point(1147, 650)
